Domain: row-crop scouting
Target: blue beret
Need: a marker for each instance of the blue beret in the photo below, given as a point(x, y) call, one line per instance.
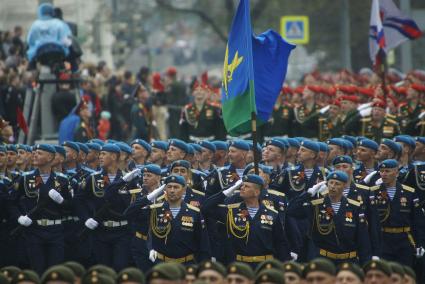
point(311, 145)
point(111, 141)
point(251, 146)
point(60, 150)
point(124, 147)
point(345, 159)
point(368, 143)
point(323, 147)
point(83, 147)
point(45, 147)
point(162, 145)
point(300, 139)
point(239, 144)
point(276, 143)
point(175, 179)
point(265, 169)
point(220, 145)
point(348, 144)
point(394, 146)
point(142, 143)
point(97, 141)
point(253, 179)
point(12, 148)
point(152, 168)
point(190, 149)
point(2, 148)
point(179, 144)
point(94, 146)
point(352, 139)
point(21, 147)
point(338, 142)
point(284, 141)
point(388, 164)
point(338, 175)
point(406, 139)
point(196, 147)
point(420, 140)
point(181, 163)
point(74, 146)
point(208, 145)
point(109, 147)
point(293, 143)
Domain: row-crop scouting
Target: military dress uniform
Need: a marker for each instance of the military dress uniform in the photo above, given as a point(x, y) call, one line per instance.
point(388, 128)
point(7, 246)
point(339, 236)
point(197, 125)
point(329, 128)
point(253, 239)
point(280, 123)
point(45, 236)
point(84, 132)
point(401, 222)
point(306, 121)
point(408, 118)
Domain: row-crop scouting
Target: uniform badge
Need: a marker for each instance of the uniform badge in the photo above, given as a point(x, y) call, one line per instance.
point(212, 181)
point(187, 221)
point(349, 216)
point(403, 201)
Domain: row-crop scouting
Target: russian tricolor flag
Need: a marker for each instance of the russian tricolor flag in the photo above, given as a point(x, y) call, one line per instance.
point(376, 32)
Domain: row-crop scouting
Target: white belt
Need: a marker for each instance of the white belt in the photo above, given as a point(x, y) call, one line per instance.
point(112, 224)
point(47, 222)
point(199, 139)
point(70, 218)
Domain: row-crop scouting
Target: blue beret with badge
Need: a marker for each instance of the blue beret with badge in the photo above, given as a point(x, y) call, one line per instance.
point(3, 148)
point(394, 146)
point(181, 163)
point(251, 178)
point(265, 169)
point(94, 146)
point(406, 139)
point(162, 145)
point(276, 143)
point(144, 144)
point(11, 148)
point(152, 168)
point(112, 148)
point(124, 147)
point(344, 159)
point(368, 143)
point(179, 144)
point(323, 147)
point(208, 145)
point(175, 179)
point(311, 145)
point(388, 164)
point(74, 146)
point(220, 145)
point(338, 175)
point(239, 144)
point(97, 141)
point(196, 147)
point(338, 142)
point(83, 147)
point(45, 147)
point(60, 150)
point(293, 143)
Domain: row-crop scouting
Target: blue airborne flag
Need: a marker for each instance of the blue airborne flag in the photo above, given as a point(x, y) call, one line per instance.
point(253, 73)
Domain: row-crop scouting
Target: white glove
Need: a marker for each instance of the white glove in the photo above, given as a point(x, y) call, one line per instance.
point(369, 177)
point(375, 257)
point(365, 112)
point(324, 109)
point(24, 221)
point(313, 190)
point(91, 223)
point(364, 106)
point(294, 256)
point(421, 115)
point(131, 175)
point(229, 192)
point(56, 196)
point(154, 194)
point(323, 188)
point(420, 251)
point(379, 181)
point(153, 254)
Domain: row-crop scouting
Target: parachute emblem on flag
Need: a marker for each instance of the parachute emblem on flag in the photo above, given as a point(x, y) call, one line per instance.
point(228, 69)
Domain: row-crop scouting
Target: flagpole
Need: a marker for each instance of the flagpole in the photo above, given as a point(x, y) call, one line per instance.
point(254, 141)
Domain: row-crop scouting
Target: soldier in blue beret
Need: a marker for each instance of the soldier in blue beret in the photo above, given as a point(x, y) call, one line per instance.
point(274, 156)
point(82, 154)
point(72, 167)
point(60, 156)
point(50, 192)
point(220, 156)
point(140, 153)
point(255, 229)
point(419, 153)
point(97, 141)
point(400, 216)
point(12, 156)
point(208, 150)
point(339, 228)
point(125, 154)
point(92, 159)
point(177, 150)
point(291, 153)
point(365, 157)
point(100, 202)
point(24, 158)
point(337, 147)
point(408, 145)
point(178, 229)
point(323, 154)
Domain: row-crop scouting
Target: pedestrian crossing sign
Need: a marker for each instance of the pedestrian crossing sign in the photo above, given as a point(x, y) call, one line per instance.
point(295, 29)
